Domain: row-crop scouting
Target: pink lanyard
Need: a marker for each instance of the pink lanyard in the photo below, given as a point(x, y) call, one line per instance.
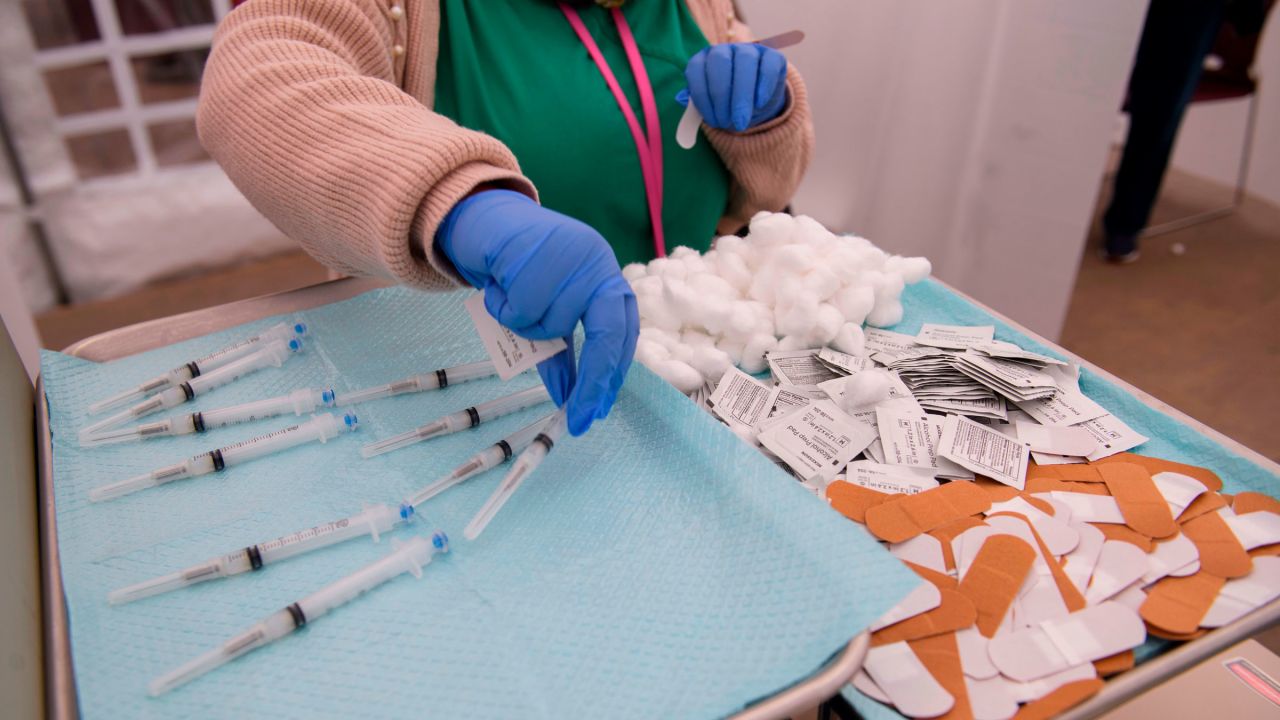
point(650, 151)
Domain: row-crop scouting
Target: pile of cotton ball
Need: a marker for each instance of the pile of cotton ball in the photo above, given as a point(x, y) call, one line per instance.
point(790, 284)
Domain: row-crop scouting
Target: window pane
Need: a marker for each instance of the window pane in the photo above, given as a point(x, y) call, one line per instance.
point(171, 76)
point(138, 17)
point(82, 88)
point(56, 23)
point(104, 153)
point(175, 143)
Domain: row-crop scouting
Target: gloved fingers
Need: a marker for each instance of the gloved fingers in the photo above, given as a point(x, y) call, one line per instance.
point(682, 97)
point(772, 77)
point(720, 84)
point(503, 309)
point(629, 347)
point(606, 354)
point(746, 67)
point(695, 73)
point(558, 373)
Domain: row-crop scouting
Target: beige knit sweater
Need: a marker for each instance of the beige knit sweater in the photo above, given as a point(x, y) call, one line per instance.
point(320, 112)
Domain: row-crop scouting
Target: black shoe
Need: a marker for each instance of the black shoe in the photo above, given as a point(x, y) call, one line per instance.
point(1121, 249)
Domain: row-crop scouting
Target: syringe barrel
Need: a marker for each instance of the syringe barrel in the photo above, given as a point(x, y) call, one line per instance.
point(373, 520)
point(409, 557)
point(230, 353)
point(321, 427)
point(298, 402)
point(271, 354)
point(202, 464)
point(512, 403)
point(467, 372)
point(273, 627)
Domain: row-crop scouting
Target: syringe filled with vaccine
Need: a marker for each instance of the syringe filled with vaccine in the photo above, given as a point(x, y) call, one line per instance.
point(461, 420)
point(298, 402)
point(202, 365)
point(271, 354)
point(321, 427)
point(410, 557)
point(373, 521)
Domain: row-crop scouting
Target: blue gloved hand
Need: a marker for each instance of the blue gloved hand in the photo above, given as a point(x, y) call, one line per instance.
point(737, 85)
point(541, 273)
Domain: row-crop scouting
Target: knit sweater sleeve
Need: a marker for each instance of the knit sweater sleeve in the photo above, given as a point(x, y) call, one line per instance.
point(766, 162)
point(300, 106)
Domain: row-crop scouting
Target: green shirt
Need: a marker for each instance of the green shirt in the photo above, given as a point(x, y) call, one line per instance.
point(515, 69)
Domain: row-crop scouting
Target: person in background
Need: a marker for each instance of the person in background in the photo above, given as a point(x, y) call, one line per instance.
point(525, 147)
point(1176, 38)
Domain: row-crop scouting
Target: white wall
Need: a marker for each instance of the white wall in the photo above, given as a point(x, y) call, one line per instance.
point(1210, 141)
point(975, 133)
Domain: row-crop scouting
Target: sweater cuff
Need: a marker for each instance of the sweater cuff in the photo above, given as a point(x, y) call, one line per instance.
point(424, 265)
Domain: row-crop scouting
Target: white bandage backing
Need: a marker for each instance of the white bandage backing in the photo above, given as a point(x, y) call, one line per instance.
point(1056, 645)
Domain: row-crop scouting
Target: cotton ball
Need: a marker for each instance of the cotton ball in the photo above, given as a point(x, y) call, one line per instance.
point(733, 270)
point(764, 319)
point(713, 314)
point(656, 313)
point(682, 352)
point(666, 339)
point(753, 353)
point(811, 231)
point(865, 389)
point(764, 286)
point(850, 339)
point(822, 282)
point(668, 268)
point(681, 252)
point(854, 302)
point(646, 284)
point(794, 259)
point(732, 348)
point(650, 353)
point(694, 265)
point(679, 374)
point(827, 323)
point(741, 320)
point(634, 271)
point(798, 316)
point(711, 285)
point(730, 245)
point(793, 342)
point(771, 229)
point(912, 269)
point(887, 285)
point(696, 338)
point(679, 298)
point(711, 362)
point(885, 313)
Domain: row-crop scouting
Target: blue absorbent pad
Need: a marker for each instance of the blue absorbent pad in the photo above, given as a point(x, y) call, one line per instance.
point(1170, 439)
point(656, 567)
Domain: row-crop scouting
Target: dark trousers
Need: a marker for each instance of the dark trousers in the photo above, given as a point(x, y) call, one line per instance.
point(1177, 36)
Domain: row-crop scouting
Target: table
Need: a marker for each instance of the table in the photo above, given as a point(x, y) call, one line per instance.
point(60, 683)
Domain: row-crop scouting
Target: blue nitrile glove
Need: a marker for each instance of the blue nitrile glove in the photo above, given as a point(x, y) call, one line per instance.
point(541, 273)
point(737, 85)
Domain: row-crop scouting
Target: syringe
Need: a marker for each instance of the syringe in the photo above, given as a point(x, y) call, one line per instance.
point(460, 420)
point(552, 430)
point(299, 402)
point(488, 458)
point(321, 427)
point(272, 354)
point(410, 557)
point(199, 366)
point(417, 383)
point(373, 521)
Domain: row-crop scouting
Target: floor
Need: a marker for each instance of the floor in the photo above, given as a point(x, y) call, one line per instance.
point(1196, 322)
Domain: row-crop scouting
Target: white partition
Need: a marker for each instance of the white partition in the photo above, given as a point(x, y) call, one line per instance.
point(974, 133)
